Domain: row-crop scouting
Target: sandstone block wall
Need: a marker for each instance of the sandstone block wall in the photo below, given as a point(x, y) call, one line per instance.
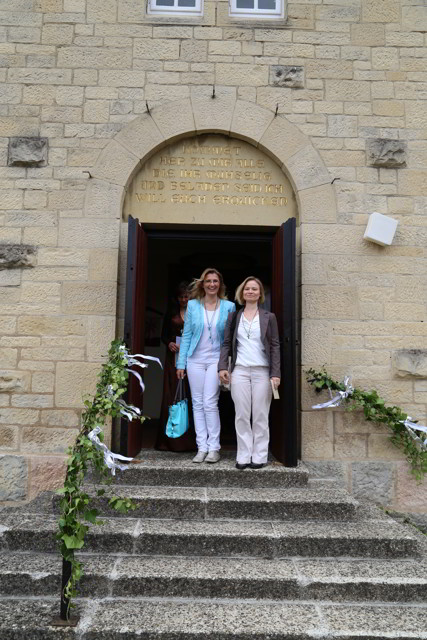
point(347, 81)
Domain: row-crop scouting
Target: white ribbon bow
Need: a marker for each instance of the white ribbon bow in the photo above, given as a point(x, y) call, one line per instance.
point(412, 427)
point(338, 399)
point(109, 457)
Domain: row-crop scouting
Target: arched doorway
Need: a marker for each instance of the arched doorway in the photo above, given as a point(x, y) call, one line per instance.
point(274, 134)
point(211, 201)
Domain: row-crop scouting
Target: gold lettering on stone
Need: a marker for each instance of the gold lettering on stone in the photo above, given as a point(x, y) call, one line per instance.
point(221, 175)
point(149, 197)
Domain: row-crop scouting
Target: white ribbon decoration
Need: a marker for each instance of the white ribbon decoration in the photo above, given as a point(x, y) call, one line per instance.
point(338, 399)
point(109, 457)
point(132, 360)
point(412, 427)
point(129, 410)
point(135, 373)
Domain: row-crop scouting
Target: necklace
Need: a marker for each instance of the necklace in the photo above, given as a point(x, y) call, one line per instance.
point(210, 324)
point(248, 331)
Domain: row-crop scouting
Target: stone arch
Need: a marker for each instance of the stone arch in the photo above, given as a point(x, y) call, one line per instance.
point(201, 113)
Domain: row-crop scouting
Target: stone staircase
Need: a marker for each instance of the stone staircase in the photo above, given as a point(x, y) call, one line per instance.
point(219, 554)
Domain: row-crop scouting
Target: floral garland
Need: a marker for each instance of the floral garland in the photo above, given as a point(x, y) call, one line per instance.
point(406, 434)
point(90, 451)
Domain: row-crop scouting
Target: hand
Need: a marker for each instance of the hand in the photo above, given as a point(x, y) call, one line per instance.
point(224, 376)
point(172, 346)
point(276, 382)
point(180, 374)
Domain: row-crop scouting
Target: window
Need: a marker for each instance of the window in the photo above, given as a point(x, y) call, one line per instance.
point(180, 7)
point(257, 8)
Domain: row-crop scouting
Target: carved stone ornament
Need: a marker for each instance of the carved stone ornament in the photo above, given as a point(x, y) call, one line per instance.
point(287, 76)
point(383, 152)
point(13, 256)
point(27, 152)
point(410, 362)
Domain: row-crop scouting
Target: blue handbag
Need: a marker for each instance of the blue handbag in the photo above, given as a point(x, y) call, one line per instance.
point(177, 423)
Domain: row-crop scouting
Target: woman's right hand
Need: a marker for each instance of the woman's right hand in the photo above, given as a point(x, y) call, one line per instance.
point(173, 347)
point(180, 374)
point(224, 376)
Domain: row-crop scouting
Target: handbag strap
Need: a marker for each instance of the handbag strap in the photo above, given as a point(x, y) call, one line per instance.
point(180, 391)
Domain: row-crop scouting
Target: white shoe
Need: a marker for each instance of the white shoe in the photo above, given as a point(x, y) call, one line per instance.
point(200, 456)
point(213, 456)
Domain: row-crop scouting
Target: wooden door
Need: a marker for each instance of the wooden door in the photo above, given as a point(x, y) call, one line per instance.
point(283, 419)
point(136, 278)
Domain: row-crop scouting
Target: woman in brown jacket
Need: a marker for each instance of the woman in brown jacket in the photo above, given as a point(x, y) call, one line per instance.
point(251, 339)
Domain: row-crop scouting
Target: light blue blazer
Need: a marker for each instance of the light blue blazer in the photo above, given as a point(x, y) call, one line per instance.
point(193, 328)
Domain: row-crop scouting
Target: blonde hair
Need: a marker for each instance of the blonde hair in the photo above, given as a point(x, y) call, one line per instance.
point(239, 290)
point(196, 287)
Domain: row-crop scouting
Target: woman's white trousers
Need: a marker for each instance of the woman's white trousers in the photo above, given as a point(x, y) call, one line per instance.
point(204, 385)
point(251, 393)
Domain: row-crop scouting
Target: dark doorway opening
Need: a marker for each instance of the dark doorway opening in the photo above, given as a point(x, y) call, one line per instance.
point(158, 259)
point(175, 258)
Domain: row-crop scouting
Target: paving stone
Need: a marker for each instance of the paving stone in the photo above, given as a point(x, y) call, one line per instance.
point(391, 581)
point(29, 574)
point(211, 538)
point(29, 619)
point(368, 539)
point(325, 469)
point(377, 621)
point(111, 619)
point(37, 533)
point(177, 470)
point(373, 480)
point(40, 574)
point(249, 504)
point(208, 620)
point(158, 502)
point(280, 504)
point(205, 577)
point(13, 477)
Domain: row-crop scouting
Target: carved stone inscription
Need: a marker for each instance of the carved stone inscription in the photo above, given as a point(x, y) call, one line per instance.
point(211, 179)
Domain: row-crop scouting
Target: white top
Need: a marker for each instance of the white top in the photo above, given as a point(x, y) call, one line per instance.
point(250, 350)
point(207, 350)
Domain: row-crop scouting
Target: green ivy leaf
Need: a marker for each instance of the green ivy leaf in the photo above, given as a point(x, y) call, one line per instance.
point(72, 542)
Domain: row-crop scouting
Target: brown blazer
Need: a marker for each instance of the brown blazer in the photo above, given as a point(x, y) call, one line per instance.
point(269, 338)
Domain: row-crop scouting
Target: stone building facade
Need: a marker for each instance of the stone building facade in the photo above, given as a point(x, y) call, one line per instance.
point(333, 92)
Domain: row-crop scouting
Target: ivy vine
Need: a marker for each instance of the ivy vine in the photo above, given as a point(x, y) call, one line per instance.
point(76, 511)
point(375, 410)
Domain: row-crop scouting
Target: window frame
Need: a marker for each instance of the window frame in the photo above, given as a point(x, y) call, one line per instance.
point(175, 10)
point(256, 13)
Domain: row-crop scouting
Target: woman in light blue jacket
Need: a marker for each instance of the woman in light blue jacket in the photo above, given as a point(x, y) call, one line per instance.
point(201, 341)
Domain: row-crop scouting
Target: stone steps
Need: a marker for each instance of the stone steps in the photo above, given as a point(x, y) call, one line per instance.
point(213, 553)
point(206, 503)
point(182, 619)
point(159, 468)
point(381, 539)
point(340, 580)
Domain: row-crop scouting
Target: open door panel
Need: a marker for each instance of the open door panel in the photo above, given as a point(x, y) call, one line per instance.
point(136, 276)
point(283, 422)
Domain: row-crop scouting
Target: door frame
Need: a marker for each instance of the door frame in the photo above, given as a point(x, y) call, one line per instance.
point(187, 232)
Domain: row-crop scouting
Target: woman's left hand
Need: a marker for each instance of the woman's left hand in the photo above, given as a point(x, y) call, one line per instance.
point(276, 382)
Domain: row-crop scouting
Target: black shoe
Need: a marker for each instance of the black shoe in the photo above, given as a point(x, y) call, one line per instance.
point(242, 466)
point(257, 465)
